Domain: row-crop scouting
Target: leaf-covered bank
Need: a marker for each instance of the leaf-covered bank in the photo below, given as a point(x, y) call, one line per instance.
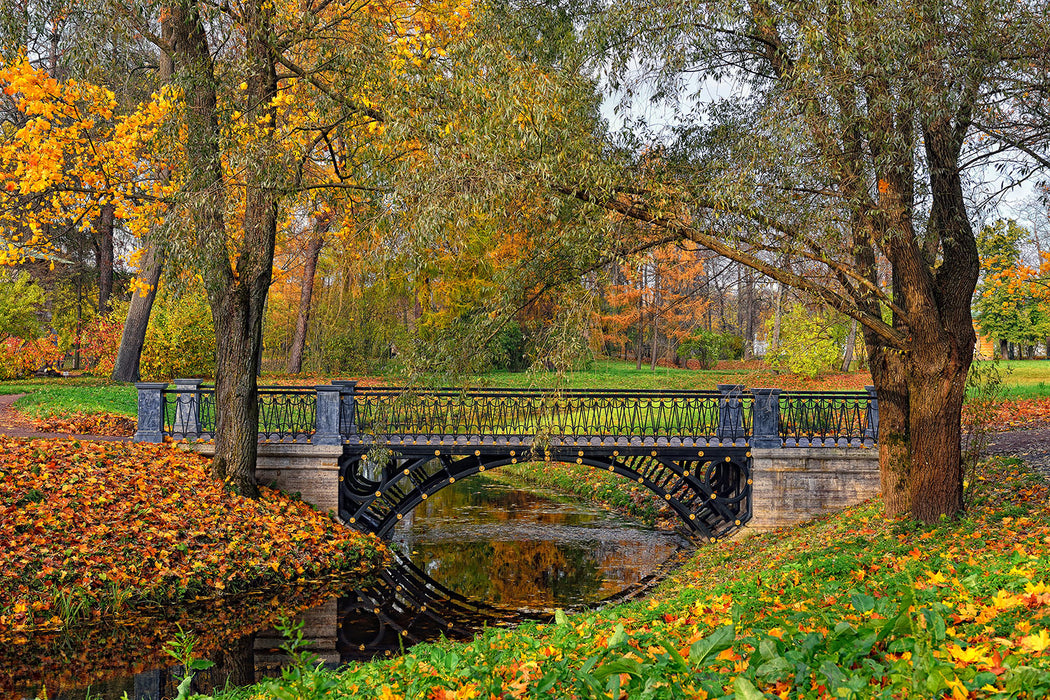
point(90, 528)
point(853, 605)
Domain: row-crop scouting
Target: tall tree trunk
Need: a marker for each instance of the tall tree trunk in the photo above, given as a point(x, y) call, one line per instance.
point(127, 367)
point(851, 341)
point(655, 312)
point(641, 319)
point(129, 356)
point(302, 324)
point(104, 256)
point(236, 288)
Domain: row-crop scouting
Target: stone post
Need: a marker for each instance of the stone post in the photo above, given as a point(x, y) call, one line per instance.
point(348, 405)
point(187, 408)
point(765, 419)
point(150, 412)
point(872, 430)
point(730, 413)
point(326, 427)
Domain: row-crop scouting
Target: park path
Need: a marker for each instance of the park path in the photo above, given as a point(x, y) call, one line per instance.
point(1032, 446)
point(14, 424)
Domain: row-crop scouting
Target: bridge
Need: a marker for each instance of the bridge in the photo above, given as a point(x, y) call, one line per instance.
point(372, 454)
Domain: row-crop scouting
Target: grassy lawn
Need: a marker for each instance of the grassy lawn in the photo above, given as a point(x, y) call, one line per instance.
point(65, 396)
point(852, 605)
point(616, 374)
point(1025, 379)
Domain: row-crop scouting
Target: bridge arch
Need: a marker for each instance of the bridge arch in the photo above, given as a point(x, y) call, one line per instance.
point(709, 490)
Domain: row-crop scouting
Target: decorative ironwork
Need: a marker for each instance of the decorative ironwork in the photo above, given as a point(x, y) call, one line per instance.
point(286, 414)
point(691, 448)
point(710, 491)
point(384, 413)
point(811, 418)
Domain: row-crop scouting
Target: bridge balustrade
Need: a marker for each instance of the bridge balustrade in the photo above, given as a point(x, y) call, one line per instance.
point(345, 413)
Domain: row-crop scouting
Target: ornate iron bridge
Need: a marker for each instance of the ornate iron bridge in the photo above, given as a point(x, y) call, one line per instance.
point(402, 445)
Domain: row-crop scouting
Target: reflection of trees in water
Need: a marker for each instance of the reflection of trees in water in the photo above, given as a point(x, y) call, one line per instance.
point(487, 541)
point(107, 655)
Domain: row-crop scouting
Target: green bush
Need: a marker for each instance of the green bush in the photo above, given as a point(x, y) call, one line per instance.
point(510, 348)
point(708, 347)
point(811, 342)
point(180, 340)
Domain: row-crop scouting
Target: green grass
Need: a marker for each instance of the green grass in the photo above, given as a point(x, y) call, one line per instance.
point(851, 605)
point(1025, 379)
point(51, 397)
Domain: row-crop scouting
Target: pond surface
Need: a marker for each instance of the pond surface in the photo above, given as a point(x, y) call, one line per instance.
point(481, 552)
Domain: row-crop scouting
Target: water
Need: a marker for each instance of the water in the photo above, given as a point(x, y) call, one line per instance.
point(478, 553)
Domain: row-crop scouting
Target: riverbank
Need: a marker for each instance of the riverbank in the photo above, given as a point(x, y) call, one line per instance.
point(852, 604)
point(95, 529)
point(590, 485)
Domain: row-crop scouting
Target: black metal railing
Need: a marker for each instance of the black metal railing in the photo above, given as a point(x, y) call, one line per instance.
point(520, 413)
point(827, 417)
point(285, 413)
point(342, 412)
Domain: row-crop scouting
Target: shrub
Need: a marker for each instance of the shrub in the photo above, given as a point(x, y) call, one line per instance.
point(180, 340)
point(810, 341)
point(21, 357)
point(708, 347)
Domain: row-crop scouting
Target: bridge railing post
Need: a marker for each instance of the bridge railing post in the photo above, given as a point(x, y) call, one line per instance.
point(326, 425)
point(765, 421)
point(187, 421)
point(348, 406)
point(150, 427)
point(871, 430)
point(731, 413)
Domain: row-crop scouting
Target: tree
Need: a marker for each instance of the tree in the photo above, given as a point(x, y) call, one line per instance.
point(843, 142)
point(1009, 303)
point(291, 85)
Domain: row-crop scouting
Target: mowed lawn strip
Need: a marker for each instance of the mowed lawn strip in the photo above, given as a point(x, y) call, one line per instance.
point(89, 527)
point(852, 605)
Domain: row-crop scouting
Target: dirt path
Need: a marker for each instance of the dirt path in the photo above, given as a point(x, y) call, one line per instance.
point(15, 424)
point(1032, 446)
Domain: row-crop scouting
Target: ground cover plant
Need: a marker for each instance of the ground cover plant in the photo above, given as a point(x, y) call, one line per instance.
point(91, 528)
point(850, 605)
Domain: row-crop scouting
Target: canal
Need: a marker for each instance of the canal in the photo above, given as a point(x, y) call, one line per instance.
point(483, 552)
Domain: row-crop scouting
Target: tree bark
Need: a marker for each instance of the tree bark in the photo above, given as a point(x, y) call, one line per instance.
point(127, 367)
point(133, 339)
point(236, 288)
point(104, 256)
point(302, 324)
point(641, 319)
point(655, 312)
point(851, 341)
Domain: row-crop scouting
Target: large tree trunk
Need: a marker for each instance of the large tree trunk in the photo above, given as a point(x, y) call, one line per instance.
point(104, 256)
point(236, 289)
point(129, 357)
point(302, 323)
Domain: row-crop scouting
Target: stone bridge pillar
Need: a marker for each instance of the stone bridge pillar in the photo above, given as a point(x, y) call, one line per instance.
point(795, 484)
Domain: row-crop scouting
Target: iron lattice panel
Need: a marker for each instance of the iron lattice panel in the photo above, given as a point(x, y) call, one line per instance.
point(709, 490)
point(285, 414)
point(390, 413)
point(826, 419)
